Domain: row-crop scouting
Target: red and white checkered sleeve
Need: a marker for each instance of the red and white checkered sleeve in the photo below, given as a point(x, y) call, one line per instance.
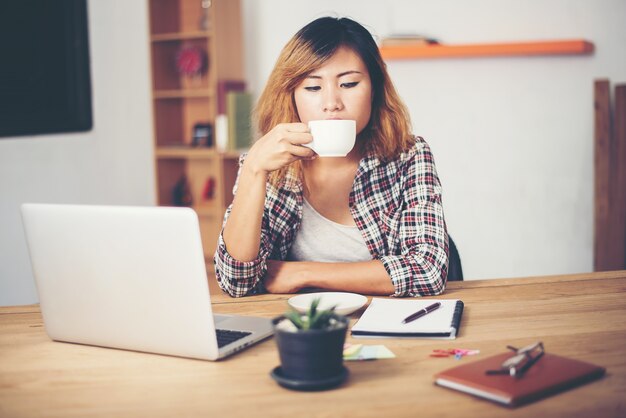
point(422, 267)
point(239, 278)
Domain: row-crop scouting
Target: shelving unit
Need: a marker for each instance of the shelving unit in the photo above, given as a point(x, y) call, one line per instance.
point(422, 51)
point(180, 102)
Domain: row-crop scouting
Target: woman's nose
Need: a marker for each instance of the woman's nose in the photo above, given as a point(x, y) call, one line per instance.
point(332, 100)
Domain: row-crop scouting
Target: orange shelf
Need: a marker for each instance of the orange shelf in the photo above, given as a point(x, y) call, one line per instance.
point(419, 51)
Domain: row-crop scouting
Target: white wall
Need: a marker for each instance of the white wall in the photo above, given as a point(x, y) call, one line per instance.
point(112, 164)
point(512, 137)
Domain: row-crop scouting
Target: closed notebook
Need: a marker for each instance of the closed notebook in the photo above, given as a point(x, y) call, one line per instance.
point(549, 375)
point(383, 318)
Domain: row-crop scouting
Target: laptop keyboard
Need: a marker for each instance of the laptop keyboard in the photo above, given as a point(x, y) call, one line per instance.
point(225, 336)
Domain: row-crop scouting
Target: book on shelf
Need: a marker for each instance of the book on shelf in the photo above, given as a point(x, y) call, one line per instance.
point(221, 128)
point(223, 88)
point(239, 107)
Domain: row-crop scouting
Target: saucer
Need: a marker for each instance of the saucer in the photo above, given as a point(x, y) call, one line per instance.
point(344, 303)
point(319, 384)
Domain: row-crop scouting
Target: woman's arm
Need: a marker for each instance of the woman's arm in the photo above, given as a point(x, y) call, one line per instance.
point(243, 226)
point(420, 267)
point(240, 255)
point(280, 147)
point(366, 277)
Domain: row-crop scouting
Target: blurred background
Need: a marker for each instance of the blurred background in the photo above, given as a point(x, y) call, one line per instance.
point(512, 136)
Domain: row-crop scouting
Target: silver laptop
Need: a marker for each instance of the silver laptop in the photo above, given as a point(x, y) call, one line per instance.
point(131, 278)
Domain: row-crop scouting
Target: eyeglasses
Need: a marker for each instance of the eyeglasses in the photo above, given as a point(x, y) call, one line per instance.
point(523, 360)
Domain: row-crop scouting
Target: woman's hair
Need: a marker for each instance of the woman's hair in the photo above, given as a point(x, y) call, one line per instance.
point(388, 131)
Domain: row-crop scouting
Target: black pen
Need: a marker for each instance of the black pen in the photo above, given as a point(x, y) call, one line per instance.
point(421, 312)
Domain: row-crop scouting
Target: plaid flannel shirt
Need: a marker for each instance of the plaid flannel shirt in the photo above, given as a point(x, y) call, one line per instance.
point(397, 207)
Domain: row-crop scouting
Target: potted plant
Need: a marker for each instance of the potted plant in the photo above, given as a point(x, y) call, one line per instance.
point(310, 346)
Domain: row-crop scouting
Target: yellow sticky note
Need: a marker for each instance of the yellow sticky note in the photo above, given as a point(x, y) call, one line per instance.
point(351, 350)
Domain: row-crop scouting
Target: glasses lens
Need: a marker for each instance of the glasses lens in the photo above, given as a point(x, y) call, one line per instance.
point(513, 361)
point(529, 348)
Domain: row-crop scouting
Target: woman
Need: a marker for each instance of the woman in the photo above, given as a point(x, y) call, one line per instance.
point(371, 222)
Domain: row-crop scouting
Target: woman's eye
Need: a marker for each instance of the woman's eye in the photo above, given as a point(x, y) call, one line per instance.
point(312, 88)
point(349, 85)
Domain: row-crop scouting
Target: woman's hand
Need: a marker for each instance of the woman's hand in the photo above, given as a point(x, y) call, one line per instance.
point(279, 147)
point(283, 277)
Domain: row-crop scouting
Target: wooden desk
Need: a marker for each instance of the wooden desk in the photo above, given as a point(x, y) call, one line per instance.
point(582, 316)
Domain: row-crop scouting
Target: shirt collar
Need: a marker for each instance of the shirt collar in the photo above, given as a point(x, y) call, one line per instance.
point(293, 184)
point(369, 162)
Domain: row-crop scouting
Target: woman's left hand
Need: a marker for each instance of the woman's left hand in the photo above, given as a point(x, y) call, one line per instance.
point(283, 277)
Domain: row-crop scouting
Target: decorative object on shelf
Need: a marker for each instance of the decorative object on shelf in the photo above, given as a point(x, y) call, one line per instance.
point(202, 135)
point(209, 189)
point(311, 349)
point(204, 18)
point(192, 63)
point(181, 193)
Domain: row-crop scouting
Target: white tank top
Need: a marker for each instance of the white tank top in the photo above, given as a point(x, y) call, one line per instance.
point(320, 239)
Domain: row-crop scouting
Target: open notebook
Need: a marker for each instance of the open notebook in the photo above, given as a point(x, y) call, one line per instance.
point(383, 318)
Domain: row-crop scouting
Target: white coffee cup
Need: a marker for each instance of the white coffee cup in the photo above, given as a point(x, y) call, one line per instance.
point(332, 137)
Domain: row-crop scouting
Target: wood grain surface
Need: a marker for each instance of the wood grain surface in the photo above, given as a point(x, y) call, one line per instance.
point(581, 316)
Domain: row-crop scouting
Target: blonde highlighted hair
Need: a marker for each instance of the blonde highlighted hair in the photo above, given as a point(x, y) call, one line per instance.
point(388, 132)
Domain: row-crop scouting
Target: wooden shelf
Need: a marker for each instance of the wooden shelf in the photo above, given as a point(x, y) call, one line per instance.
point(180, 103)
point(231, 155)
point(182, 94)
point(184, 152)
point(208, 210)
point(421, 51)
point(179, 36)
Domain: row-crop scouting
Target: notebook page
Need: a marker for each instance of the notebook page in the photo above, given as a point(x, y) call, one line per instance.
point(386, 315)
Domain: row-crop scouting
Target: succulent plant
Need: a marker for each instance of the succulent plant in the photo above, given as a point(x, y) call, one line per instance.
point(314, 319)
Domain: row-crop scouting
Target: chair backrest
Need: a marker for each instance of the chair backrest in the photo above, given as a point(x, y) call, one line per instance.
point(455, 271)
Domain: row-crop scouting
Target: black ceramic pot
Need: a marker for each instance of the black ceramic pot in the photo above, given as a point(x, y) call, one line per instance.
point(312, 355)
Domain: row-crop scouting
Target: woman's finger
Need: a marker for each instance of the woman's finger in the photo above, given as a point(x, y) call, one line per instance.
point(298, 138)
point(294, 127)
point(300, 151)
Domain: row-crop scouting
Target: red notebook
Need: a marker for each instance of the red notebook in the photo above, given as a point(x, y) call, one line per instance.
point(549, 375)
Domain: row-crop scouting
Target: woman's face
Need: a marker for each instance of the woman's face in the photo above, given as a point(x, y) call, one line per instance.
point(339, 89)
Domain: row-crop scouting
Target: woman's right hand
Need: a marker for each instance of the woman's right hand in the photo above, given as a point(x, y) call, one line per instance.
point(279, 147)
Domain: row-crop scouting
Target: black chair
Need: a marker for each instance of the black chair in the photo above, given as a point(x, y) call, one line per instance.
point(455, 271)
